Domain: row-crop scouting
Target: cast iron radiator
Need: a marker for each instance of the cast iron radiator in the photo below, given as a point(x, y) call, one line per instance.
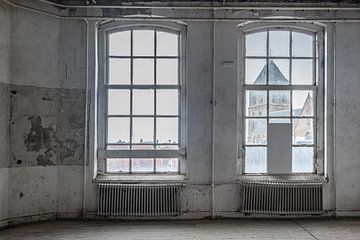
point(137, 200)
point(282, 198)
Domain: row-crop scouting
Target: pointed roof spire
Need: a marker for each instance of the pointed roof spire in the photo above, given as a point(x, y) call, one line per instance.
point(275, 75)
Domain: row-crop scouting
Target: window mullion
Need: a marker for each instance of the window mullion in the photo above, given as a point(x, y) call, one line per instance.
point(155, 93)
point(131, 94)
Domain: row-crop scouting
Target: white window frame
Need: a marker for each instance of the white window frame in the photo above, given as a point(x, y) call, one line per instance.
point(319, 89)
point(102, 153)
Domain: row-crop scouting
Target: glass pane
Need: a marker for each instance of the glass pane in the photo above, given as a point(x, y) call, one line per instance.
point(278, 72)
point(167, 44)
point(279, 120)
point(302, 71)
point(143, 71)
point(167, 71)
point(256, 103)
point(118, 130)
point(142, 147)
point(255, 160)
point(167, 147)
point(256, 44)
point(142, 165)
point(279, 43)
point(143, 43)
point(167, 102)
point(119, 44)
point(119, 71)
point(167, 165)
point(303, 103)
point(303, 132)
point(279, 103)
point(117, 165)
point(118, 147)
point(143, 102)
point(303, 158)
point(302, 45)
point(167, 130)
point(256, 131)
point(143, 130)
point(118, 102)
point(255, 71)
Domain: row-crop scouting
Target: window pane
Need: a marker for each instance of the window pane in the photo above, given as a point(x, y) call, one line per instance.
point(117, 165)
point(279, 120)
point(118, 130)
point(255, 71)
point(118, 102)
point(142, 147)
point(167, 44)
point(279, 103)
point(303, 103)
point(279, 43)
point(167, 165)
point(167, 102)
point(256, 44)
point(143, 130)
point(278, 72)
point(256, 103)
point(303, 132)
point(119, 71)
point(143, 43)
point(167, 147)
point(302, 71)
point(255, 160)
point(256, 131)
point(119, 44)
point(143, 71)
point(118, 147)
point(302, 45)
point(142, 165)
point(167, 71)
point(303, 158)
point(167, 130)
point(143, 102)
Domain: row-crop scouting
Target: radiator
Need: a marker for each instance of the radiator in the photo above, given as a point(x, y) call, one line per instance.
point(282, 198)
point(115, 199)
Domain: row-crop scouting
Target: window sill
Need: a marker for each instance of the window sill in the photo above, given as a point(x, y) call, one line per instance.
point(284, 178)
point(141, 178)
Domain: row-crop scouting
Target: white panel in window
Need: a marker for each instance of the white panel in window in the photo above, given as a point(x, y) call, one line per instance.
point(303, 131)
point(302, 71)
point(256, 103)
point(167, 102)
point(142, 165)
point(256, 44)
point(303, 103)
point(256, 131)
point(167, 165)
point(303, 159)
point(279, 103)
point(255, 160)
point(143, 71)
point(114, 165)
point(143, 130)
point(279, 72)
point(118, 102)
point(167, 147)
point(167, 130)
point(167, 44)
point(119, 71)
point(118, 130)
point(255, 72)
point(167, 71)
point(143, 102)
point(302, 45)
point(279, 43)
point(119, 44)
point(143, 42)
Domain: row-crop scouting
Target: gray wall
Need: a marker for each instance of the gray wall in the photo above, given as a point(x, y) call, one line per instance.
point(45, 103)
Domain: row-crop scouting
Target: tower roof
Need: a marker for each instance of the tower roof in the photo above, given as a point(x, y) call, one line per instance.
point(275, 75)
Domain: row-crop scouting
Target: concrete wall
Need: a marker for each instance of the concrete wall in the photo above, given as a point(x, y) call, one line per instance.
point(45, 103)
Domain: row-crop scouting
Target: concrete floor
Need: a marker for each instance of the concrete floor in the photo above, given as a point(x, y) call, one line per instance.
point(203, 229)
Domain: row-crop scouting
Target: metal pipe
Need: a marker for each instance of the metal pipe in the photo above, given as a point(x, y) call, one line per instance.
point(192, 19)
point(213, 120)
point(213, 7)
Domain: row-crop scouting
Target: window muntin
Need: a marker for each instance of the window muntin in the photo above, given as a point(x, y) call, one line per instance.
point(281, 86)
point(143, 75)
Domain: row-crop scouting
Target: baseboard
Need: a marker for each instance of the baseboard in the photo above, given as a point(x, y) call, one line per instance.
point(347, 213)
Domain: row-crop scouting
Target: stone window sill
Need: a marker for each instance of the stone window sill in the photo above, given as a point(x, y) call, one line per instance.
point(283, 178)
point(141, 178)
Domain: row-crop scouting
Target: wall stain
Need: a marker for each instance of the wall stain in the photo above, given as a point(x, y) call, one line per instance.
point(40, 137)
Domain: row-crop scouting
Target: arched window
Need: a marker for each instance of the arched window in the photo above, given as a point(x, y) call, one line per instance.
point(282, 62)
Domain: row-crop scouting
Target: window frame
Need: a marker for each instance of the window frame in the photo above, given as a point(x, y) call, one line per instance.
point(319, 88)
point(101, 139)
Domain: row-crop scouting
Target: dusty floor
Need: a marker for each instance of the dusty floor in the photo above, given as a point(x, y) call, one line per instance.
point(204, 229)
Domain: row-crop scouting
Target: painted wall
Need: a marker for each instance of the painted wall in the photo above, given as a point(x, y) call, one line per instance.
point(47, 115)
